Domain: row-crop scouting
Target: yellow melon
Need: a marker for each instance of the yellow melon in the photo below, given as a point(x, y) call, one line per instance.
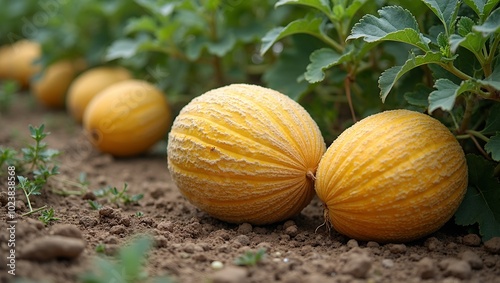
point(127, 118)
point(89, 84)
point(395, 176)
point(244, 153)
point(17, 61)
point(50, 89)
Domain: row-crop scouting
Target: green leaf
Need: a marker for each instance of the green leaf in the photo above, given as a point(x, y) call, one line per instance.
point(493, 80)
point(481, 203)
point(476, 5)
point(322, 5)
point(418, 97)
point(493, 147)
point(446, 93)
point(223, 46)
point(445, 10)
point(466, 37)
point(482, 7)
point(390, 76)
point(309, 25)
point(130, 255)
point(321, 60)
point(144, 23)
point(123, 48)
point(404, 29)
point(491, 25)
point(354, 7)
point(493, 121)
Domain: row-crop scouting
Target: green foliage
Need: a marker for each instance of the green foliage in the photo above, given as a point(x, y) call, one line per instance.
point(113, 195)
point(7, 92)
point(190, 47)
point(81, 29)
point(47, 216)
point(251, 258)
point(127, 267)
point(34, 165)
point(481, 203)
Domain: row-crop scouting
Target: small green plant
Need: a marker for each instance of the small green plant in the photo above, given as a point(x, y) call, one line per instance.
point(113, 195)
point(35, 164)
point(47, 216)
point(127, 267)
point(100, 248)
point(251, 258)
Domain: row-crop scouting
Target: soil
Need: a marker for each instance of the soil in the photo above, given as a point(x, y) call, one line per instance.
point(188, 241)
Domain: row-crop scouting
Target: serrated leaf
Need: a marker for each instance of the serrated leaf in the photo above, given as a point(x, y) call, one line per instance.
point(390, 76)
point(446, 93)
point(490, 25)
point(493, 121)
point(493, 147)
point(445, 10)
point(309, 25)
point(404, 29)
point(482, 7)
point(322, 5)
point(476, 5)
point(467, 38)
point(481, 203)
point(321, 60)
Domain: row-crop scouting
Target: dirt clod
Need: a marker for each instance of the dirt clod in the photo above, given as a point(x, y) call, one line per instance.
point(426, 268)
point(472, 240)
point(245, 228)
point(459, 269)
point(493, 245)
point(52, 247)
point(292, 231)
point(230, 274)
point(357, 265)
point(397, 248)
point(472, 258)
point(66, 230)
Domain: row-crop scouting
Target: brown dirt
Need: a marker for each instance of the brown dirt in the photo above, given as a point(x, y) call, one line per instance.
point(187, 241)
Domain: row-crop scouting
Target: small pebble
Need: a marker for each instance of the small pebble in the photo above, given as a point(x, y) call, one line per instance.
point(473, 259)
point(243, 240)
point(245, 228)
point(472, 240)
point(230, 274)
point(217, 265)
point(357, 265)
point(397, 248)
point(459, 269)
point(426, 268)
point(372, 244)
point(288, 223)
point(352, 243)
point(387, 263)
point(493, 245)
point(432, 244)
point(292, 231)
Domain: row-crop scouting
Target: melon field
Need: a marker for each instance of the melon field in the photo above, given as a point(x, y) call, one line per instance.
point(249, 141)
